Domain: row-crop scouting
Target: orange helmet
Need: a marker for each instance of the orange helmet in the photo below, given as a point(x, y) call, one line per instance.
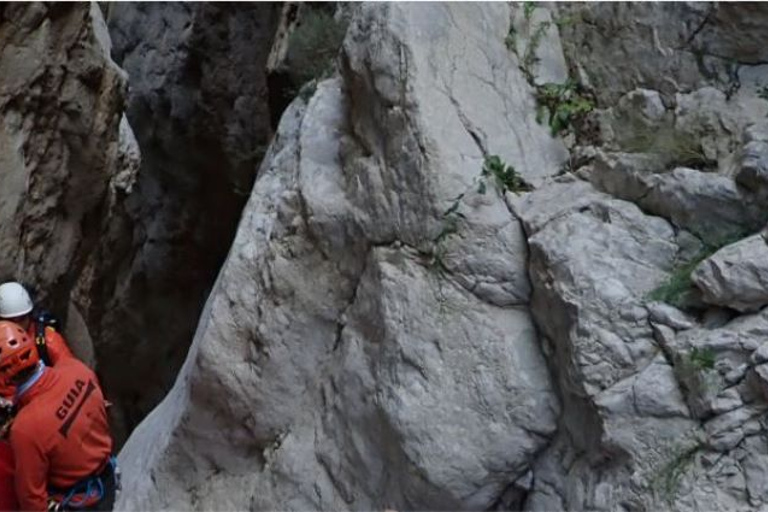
point(17, 350)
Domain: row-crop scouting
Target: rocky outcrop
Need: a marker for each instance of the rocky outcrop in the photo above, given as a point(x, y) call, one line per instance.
point(198, 104)
point(754, 162)
point(66, 158)
point(365, 365)
point(736, 276)
point(671, 49)
point(402, 322)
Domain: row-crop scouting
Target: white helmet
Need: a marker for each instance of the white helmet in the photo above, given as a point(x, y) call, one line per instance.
point(14, 300)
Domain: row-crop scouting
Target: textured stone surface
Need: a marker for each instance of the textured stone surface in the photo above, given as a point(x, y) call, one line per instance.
point(668, 47)
point(198, 104)
point(382, 330)
point(754, 163)
point(65, 155)
point(736, 276)
point(710, 205)
point(360, 373)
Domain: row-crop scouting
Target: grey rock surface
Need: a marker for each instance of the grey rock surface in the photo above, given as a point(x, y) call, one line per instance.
point(198, 104)
point(753, 173)
point(710, 205)
point(388, 335)
point(65, 148)
point(736, 276)
point(670, 48)
point(388, 380)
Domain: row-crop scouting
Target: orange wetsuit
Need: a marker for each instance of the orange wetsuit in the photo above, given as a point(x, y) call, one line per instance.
point(60, 435)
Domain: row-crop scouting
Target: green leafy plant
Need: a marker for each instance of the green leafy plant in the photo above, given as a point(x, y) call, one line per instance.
point(567, 21)
point(504, 176)
point(702, 359)
point(530, 58)
point(528, 8)
point(450, 226)
point(314, 44)
point(675, 289)
point(563, 104)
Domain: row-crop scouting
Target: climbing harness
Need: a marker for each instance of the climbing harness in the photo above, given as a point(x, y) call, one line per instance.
point(89, 492)
point(44, 320)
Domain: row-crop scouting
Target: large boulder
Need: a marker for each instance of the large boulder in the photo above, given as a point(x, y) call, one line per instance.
point(753, 173)
point(364, 347)
point(593, 261)
point(708, 204)
point(736, 276)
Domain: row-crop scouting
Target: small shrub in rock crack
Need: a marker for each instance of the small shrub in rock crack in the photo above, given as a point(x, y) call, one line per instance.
point(505, 176)
point(676, 288)
point(314, 44)
point(675, 147)
point(702, 359)
point(667, 481)
point(563, 104)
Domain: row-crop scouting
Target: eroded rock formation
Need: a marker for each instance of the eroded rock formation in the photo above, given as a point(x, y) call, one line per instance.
point(66, 158)
point(373, 327)
point(402, 319)
point(198, 104)
point(363, 364)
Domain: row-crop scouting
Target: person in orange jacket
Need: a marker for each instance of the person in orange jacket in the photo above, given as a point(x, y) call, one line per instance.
point(16, 306)
point(60, 437)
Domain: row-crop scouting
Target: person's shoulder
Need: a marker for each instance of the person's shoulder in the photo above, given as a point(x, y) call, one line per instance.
point(73, 366)
point(53, 336)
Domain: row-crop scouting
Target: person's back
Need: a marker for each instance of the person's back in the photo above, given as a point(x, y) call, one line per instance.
point(8, 501)
point(60, 436)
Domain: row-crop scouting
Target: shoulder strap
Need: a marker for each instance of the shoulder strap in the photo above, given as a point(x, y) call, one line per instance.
point(42, 347)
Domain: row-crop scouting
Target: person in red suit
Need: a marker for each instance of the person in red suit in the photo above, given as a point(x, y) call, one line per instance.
point(60, 436)
point(16, 306)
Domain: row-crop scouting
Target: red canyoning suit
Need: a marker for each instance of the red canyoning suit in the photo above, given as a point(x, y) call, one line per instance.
point(60, 435)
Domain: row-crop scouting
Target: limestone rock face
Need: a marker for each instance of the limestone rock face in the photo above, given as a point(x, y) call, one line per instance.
point(668, 48)
point(392, 328)
point(736, 276)
point(198, 104)
point(394, 373)
point(754, 163)
point(67, 155)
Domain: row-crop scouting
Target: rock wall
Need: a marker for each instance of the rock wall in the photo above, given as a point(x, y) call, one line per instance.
point(198, 105)
point(359, 371)
point(660, 377)
point(395, 327)
point(66, 158)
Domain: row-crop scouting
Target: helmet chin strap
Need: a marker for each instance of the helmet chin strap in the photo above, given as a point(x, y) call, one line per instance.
point(24, 387)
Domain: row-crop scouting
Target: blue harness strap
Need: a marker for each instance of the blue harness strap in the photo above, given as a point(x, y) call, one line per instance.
point(91, 490)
